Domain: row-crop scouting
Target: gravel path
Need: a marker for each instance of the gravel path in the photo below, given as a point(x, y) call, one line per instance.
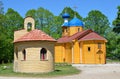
point(107, 71)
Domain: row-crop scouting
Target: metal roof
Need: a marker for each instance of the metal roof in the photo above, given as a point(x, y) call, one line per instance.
point(76, 22)
point(65, 15)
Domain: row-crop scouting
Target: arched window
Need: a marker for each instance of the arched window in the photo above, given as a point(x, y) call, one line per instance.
point(24, 54)
point(16, 53)
point(43, 54)
point(29, 26)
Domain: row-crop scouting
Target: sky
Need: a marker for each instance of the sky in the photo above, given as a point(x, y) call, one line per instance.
point(107, 7)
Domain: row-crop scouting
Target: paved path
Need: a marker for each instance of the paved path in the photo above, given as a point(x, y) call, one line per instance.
point(107, 71)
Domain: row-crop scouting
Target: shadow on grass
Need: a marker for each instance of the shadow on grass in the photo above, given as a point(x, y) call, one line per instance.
point(57, 71)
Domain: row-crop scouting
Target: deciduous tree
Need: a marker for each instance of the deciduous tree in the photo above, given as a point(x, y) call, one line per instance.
point(96, 21)
point(71, 12)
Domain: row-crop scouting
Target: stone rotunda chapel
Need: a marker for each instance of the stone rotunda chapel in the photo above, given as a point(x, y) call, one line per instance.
point(33, 49)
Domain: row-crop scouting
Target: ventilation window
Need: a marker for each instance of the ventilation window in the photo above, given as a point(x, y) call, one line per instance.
point(89, 49)
point(99, 45)
point(29, 26)
point(24, 54)
point(43, 54)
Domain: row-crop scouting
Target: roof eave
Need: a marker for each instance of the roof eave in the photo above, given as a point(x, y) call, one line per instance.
point(93, 40)
point(34, 41)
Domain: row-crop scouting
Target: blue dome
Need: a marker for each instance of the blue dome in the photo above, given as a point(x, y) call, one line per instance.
point(75, 22)
point(66, 24)
point(65, 15)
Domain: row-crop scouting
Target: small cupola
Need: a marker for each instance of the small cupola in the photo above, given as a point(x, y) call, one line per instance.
point(76, 22)
point(65, 25)
point(65, 16)
point(75, 25)
point(29, 23)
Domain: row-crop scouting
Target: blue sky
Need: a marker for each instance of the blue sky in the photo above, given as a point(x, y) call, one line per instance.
point(107, 7)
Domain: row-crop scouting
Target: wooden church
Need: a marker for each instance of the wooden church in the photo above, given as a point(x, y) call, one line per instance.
point(79, 46)
point(33, 49)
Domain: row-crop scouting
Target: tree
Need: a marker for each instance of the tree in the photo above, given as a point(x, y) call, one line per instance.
point(1, 8)
point(57, 29)
point(45, 21)
point(13, 19)
point(2, 17)
point(96, 21)
point(116, 22)
point(71, 12)
point(5, 42)
point(113, 45)
point(9, 22)
point(31, 13)
point(116, 37)
point(44, 18)
point(6, 48)
point(4, 51)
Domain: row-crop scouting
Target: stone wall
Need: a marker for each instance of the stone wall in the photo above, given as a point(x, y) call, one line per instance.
point(33, 63)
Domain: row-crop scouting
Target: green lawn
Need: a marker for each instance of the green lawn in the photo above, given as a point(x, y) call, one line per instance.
point(112, 61)
point(60, 70)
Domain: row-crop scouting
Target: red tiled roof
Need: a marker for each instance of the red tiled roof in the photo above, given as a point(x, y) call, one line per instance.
point(74, 36)
point(84, 35)
point(35, 35)
point(63, 39)
point(92, 36)
point(80, 34)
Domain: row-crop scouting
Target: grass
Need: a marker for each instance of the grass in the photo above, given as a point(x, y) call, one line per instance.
point(60, 70)
point(112, 61)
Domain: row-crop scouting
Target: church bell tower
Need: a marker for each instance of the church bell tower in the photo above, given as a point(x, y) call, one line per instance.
point(29, 23)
